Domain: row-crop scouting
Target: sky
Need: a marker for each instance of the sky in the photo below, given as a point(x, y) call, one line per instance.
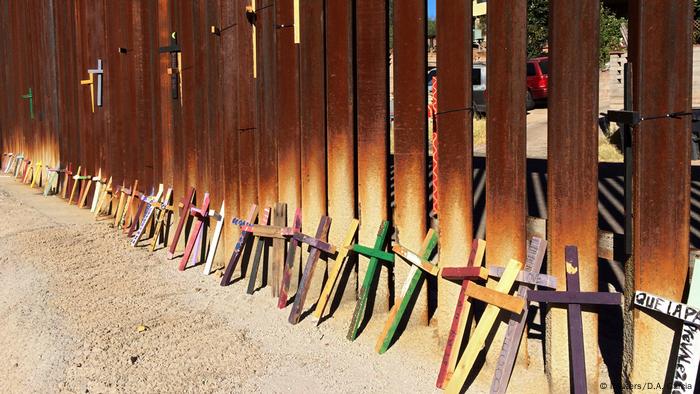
point(431, 8)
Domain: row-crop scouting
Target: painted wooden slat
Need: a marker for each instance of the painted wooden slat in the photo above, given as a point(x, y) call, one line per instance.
point(478, 338)
point(358, 315)
point(36, 175)
point(516, 324)
point(375, 253)
point(128, 206)
point(240, 245)
point(400, 307)
point(414, 259)
point(314, 243)
point(315, 253)
point(75, 186)
point(335, 271)
point(289, 263)
point(259, 230)
point(461, 315)
point(164, 210)
point(277, 263)
point(214, 244)
point(184, 215)
point(573, 298)
point(258, 245)
point(200, 215)
point(151, 203)
point(103, 198)
point(490, 296)
point(529, 278)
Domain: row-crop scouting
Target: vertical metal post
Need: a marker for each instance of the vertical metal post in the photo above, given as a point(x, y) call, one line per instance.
point(454, 121)
point(627, 151)
point(572, 168)
point(247, 121)
point(372, 84)
point(505, 122)
point(340, 112)
point(287, 106)
point(312, 93)
point(410, 130)
point(661, 56)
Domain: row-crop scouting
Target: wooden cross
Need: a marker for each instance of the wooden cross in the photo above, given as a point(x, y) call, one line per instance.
point(213, 245)
point(317, 245)
point(23, 169)
point(36, 177)
point(516, 324)
point(107, 190)
point(420, 264)
point(67, 175)
point(175, 52)
point(124, 217)
point(129, 215)
point(289, 263)
point(15, 165)
point(52, 179)
point(240, 245)
point(278, 234)
point(135, 218)
point(333, 274)
point(200, 215)
point(474, 271)
point(573, 298)
point(28, 171)
point(258, 245)
point(75, 185)
point(184, 215)
point(85, 190)
point(151, 203)
point(91, 82)
point(18, 165)
point(99, 182)
point(29, 96)
point(375, 254)
point(164, 209)
point(496, 299)
point(688, 359)
point(8, 161)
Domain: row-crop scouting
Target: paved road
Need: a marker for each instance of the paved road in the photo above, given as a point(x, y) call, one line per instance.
point(537, 133)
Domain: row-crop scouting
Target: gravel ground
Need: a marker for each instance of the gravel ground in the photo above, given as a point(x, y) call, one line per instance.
point(73, 294)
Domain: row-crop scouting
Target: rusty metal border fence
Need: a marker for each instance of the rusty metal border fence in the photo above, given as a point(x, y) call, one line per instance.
point(289, 100)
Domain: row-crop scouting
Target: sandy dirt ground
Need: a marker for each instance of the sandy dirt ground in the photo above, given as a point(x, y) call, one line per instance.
point(73, 292)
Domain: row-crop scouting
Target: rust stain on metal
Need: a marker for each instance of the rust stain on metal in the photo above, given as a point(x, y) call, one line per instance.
point(372, 72)
point(454, 133)
point(312, 121)
point(340, 121)
point(410, 131)
point(266, 136)
point(505, 147)
point(661, 74)
point(573, 169)
point(287, 106)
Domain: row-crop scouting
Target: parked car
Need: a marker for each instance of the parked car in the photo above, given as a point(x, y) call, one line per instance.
point(537, 77)
point(479, 93)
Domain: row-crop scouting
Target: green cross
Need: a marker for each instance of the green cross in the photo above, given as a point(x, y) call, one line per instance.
point(30, 96)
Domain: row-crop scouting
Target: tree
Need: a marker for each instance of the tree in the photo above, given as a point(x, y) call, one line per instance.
point(537, 29)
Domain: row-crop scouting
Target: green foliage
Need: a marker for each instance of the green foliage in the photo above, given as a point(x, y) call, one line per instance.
point(537, 29)
point(696, 17)
point(610, 35)
point(537, 22)
point(432, 27)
